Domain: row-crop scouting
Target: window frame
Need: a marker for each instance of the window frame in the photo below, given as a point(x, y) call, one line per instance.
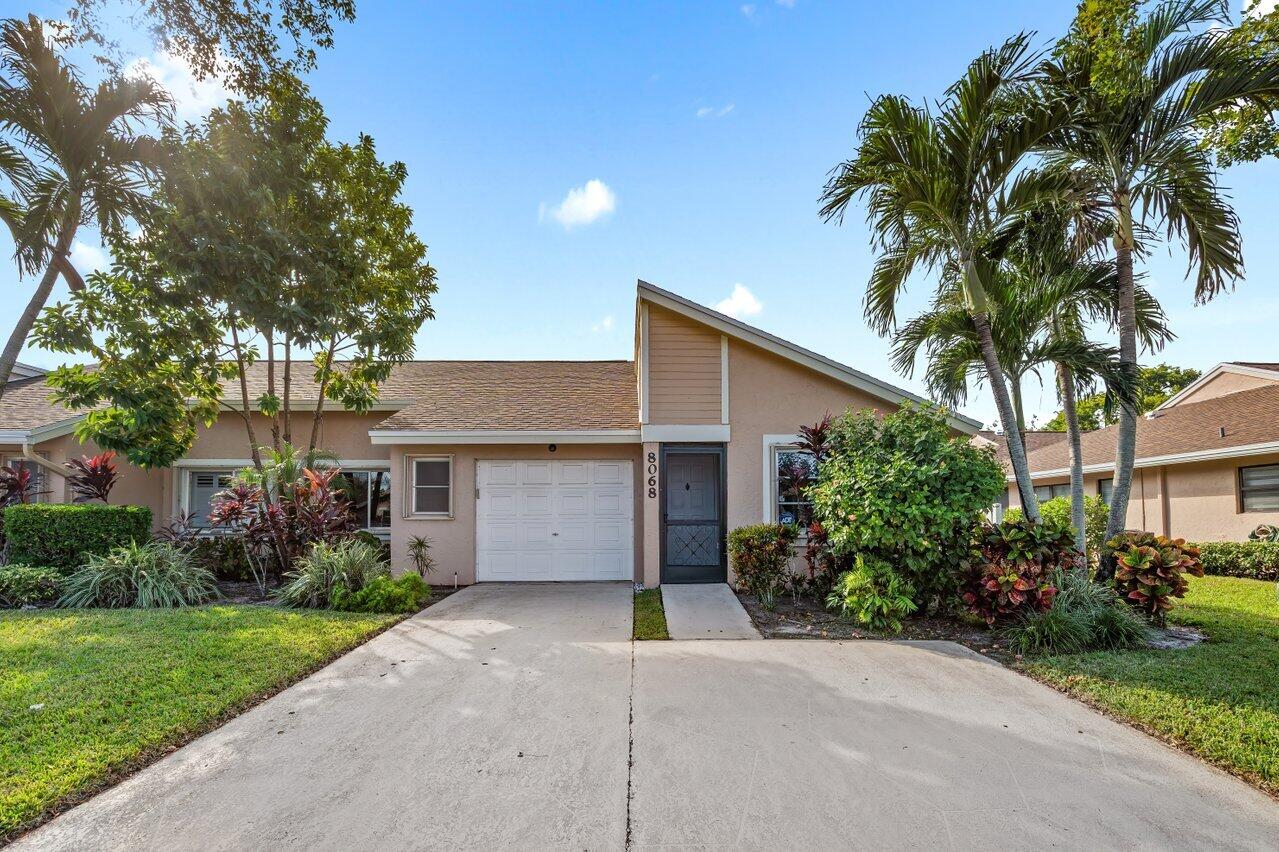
point(411, 486)
point(39, 476)
point(184, 505)
point(369, 470)
point(1051, 496)
point(1240, 505)
point(1101, 493)
point(774, 495)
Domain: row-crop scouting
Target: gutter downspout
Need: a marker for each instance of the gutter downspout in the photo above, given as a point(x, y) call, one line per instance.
point(29, 453)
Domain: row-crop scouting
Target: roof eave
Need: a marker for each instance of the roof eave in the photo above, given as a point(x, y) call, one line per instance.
point(504, 436)
point(1240, 451)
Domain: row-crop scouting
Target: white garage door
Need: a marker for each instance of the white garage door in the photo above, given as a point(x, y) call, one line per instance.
point(554, 520)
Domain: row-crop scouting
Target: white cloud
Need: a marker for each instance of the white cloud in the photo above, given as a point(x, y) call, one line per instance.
point(604, 325)
point(741, 303)
point(748, 9)
point(87, 258)
point(582, 206)
point(192, 98)
point(714, 112)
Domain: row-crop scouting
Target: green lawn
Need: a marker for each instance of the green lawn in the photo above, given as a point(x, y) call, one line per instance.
point(119, 687)
point(1219, 700)
point(650, 618)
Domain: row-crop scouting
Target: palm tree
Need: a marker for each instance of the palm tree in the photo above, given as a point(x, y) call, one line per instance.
point(1133, 149)
point(939, 187)
point(88, 164)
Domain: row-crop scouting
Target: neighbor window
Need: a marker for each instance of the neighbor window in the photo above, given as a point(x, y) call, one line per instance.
point(1259, 488)
point(1105, 487)
point(37, 493)
point(201, 486)
point(431, 481)
point(1048, 492)
point(369, 495)
point(793, 471)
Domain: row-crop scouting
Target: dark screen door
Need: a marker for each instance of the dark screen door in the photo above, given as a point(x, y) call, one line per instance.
point(694, 532)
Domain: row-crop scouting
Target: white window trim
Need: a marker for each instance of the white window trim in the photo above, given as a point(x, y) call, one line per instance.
point(185, 474)
point(352, 467)
point(410, 488)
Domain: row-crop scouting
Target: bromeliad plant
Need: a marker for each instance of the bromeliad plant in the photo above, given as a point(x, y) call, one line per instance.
point(1150, 570)
point(1011, 573)
point(92, 477)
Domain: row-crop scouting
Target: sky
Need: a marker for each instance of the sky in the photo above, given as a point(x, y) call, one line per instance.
point(558, 151)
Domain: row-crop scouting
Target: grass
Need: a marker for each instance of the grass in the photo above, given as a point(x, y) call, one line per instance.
point(650, 618)
point(1218, 700)
point(88, 695)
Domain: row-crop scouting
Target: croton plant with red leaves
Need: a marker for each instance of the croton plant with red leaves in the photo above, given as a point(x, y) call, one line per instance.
point(1150, 570)
point(1012, 569)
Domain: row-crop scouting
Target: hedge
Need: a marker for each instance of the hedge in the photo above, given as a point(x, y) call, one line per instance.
point(1258, 560)
point(60, 535)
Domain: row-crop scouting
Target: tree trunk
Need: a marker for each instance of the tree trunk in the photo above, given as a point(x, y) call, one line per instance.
point(1126, 443)
point(1019, 410)
point(1016, 449)
point(1066, 386)
point(319, 402)
point(288, 389)
point(18, 337)
point(270, 388)
point(245, 411)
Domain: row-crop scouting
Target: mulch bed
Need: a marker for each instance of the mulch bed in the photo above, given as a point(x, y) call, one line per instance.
point(246, 593)
point(805, 619)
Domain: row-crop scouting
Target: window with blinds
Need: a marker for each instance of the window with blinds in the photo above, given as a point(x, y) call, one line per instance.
point(1259, 488)
point(201, 486)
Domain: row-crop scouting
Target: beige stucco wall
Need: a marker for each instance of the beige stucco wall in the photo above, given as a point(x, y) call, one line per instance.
point(135, 486)
point(453, 539)
point(684, 370)
point(1224, 383)
point(1197, 501)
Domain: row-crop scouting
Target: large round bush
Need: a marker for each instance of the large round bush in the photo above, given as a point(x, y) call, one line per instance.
point(908, 491)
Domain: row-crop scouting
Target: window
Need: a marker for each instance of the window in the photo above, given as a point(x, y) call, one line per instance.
point(1259, 488)
point(201, 486)
point(431, 481)
point(37, 492)
point(1048, 492)
point(1105, 487)
point(369, 494)
point(793, 471)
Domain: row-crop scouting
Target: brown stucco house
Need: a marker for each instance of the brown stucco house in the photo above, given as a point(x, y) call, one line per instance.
point(1207, 466)
point(539, 470)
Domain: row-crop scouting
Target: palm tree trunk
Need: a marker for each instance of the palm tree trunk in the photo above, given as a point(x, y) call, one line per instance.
point(1066, 385)
point(18, 337)
point(1016, 449)
point(1126, 443)
point(1019, 409)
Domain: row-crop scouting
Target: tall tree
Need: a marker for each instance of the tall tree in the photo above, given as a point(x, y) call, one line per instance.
point(1156, 383)
point(88, 162)
point(267, 239)
point(1137, 87)
point(939, 188)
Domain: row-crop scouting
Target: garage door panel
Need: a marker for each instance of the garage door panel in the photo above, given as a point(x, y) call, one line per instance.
point(554, 520)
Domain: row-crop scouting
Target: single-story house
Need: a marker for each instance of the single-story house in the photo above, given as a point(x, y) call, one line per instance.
point(1207, 466)
point(538, 470)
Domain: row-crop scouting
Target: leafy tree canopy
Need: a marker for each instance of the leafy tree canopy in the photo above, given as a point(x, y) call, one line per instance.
point(1154, 385)
point(266, 240)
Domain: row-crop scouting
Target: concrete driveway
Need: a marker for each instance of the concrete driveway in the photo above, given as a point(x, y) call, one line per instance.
point(523, 716)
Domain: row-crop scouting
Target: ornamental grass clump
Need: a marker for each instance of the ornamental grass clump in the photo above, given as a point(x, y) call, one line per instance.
point(1150, 570)
point(1085, 616)
point(349, 566)
point(155, 575)
point(1011, 574)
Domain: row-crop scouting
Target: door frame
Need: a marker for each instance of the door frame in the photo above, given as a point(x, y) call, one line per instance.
point(694, 449)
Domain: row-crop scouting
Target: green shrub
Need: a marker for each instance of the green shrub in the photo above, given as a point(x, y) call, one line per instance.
point(156, 575)
point(406, 593)
point(760, 555)
point(350, 565)
point(62, 535)
point(1150, 569)
point(223, 555)
point(873, 595)
point(1011, 573)
point(1085, 616)
point(907, 491)
point(1258, 560)
point(1057, 512)
point(23, 585)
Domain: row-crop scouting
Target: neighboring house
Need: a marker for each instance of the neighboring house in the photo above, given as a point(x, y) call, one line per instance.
point(539, 470)
point(1207, 465)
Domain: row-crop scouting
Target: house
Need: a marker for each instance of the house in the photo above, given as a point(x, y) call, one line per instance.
point(539, 470)
point(1207, 466)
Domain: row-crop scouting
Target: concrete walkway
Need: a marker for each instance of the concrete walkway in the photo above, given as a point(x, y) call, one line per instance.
point(524, 717)
point(706, 611)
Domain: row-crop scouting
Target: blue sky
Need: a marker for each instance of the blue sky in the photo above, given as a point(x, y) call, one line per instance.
point(697, 137)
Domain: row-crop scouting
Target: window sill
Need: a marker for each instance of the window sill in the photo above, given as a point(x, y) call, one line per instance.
point(423, 516)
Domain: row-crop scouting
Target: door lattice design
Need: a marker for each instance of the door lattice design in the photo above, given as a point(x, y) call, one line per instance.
point(689, 544)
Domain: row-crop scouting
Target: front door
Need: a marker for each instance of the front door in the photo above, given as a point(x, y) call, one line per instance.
point(692, 515)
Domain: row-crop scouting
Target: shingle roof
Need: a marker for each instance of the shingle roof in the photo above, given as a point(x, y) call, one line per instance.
point(1034, 440)
point(1248, 416)
point(520, 395)
point(508, 395)
point(1260, 365)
